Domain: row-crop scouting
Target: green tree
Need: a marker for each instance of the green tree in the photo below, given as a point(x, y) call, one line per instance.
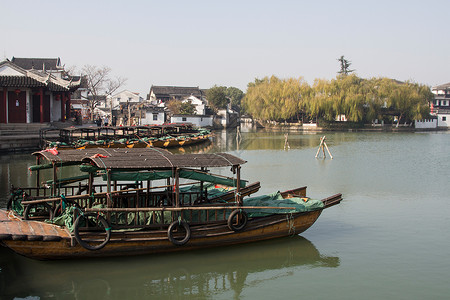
point(275, 99)
point(345, 66)
point(177, 107)
point(217, 97)
point(235, 95)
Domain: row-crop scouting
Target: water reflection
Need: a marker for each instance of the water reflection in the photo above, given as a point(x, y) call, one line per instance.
point(203, 273)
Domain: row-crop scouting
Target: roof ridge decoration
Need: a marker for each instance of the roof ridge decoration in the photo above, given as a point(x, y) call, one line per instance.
point(49, 78)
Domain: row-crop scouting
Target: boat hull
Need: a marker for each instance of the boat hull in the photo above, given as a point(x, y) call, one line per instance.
point(149, 242)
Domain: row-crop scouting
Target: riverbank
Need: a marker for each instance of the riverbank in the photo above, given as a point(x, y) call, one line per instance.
point(313, 127)
point(20, 137)
point(26, 137)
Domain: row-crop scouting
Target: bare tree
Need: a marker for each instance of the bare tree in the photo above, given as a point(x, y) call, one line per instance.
point(100, 83)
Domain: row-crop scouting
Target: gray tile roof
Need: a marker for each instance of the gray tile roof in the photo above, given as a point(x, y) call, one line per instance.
point(444, 86)
point(175, 91)
point(37, 63)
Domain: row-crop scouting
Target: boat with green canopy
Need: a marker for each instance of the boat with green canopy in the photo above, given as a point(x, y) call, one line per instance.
point(161, 136)
point(146, 200)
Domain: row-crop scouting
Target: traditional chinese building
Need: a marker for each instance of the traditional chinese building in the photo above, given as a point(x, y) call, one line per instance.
point(165, 93)
point(440, 105)
point(34, 90)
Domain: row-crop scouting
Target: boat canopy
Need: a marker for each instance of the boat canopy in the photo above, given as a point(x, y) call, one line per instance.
point(137, 158)
point(155, 158)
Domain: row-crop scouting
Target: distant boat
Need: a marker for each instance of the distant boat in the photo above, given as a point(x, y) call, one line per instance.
point(161, 136)
point(129, 215)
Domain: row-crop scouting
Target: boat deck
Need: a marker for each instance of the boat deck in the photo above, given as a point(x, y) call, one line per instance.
point(14, 228)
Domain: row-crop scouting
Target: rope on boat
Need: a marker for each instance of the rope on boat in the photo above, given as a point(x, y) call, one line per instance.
point(290, 224)
point(13, 216)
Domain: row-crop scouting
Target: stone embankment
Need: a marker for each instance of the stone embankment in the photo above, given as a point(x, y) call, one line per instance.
point(20, 137)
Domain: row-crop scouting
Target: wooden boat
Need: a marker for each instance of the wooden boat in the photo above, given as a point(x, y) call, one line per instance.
point(162, 136)
point(176, 216)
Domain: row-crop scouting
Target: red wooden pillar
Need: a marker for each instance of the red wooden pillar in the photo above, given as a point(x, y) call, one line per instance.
point(4, 117)
point(63, 108)
point(68, 106)
point(41, 105)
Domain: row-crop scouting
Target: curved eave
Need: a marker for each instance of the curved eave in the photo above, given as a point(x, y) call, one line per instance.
point(20, 81)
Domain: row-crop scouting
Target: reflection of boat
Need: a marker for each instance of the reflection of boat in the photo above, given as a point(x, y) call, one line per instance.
point(151, 219)
point(169, 276)
point(162, 136)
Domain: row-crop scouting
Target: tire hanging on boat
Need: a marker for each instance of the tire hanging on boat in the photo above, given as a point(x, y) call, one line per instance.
point(179, 224)
point(99, 219)
point(240, 216)
point(46, 210)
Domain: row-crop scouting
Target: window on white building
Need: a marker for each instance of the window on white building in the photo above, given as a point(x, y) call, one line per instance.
point(183, 119)
point(444, 119)
point(155, 117)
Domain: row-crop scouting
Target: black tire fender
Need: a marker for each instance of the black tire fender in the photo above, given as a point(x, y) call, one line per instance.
point(173, 226)
point(84, 244)
point(26, 212)
point(242, 217)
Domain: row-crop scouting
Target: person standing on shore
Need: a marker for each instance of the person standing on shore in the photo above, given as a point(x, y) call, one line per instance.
point(98, 121)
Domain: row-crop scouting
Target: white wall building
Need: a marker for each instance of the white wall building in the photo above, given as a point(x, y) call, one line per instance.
point(196, 120)
point(154, 116)
point(200, 104)
point(123, 97)
point(440, 105)
point(426, 124)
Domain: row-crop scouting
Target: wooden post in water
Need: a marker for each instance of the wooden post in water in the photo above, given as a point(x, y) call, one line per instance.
point(322, 147)
point(286, 143)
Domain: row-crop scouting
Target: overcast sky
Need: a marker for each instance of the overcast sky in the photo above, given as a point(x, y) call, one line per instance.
point(230, 43)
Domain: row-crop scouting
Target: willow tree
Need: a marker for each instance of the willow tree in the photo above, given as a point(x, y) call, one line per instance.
point(409, 100)
point(274, 99)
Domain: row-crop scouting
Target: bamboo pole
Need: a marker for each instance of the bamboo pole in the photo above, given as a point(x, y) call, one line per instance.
point(146, 209)
point(320, 145)
point(323, 146)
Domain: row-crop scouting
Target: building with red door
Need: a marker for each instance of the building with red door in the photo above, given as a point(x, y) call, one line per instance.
point(35, 90)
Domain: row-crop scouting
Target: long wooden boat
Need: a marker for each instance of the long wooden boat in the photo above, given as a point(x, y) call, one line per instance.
point(162, 136)
point(176, 216)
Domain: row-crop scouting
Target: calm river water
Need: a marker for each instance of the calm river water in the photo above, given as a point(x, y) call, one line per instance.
point(388, 239)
